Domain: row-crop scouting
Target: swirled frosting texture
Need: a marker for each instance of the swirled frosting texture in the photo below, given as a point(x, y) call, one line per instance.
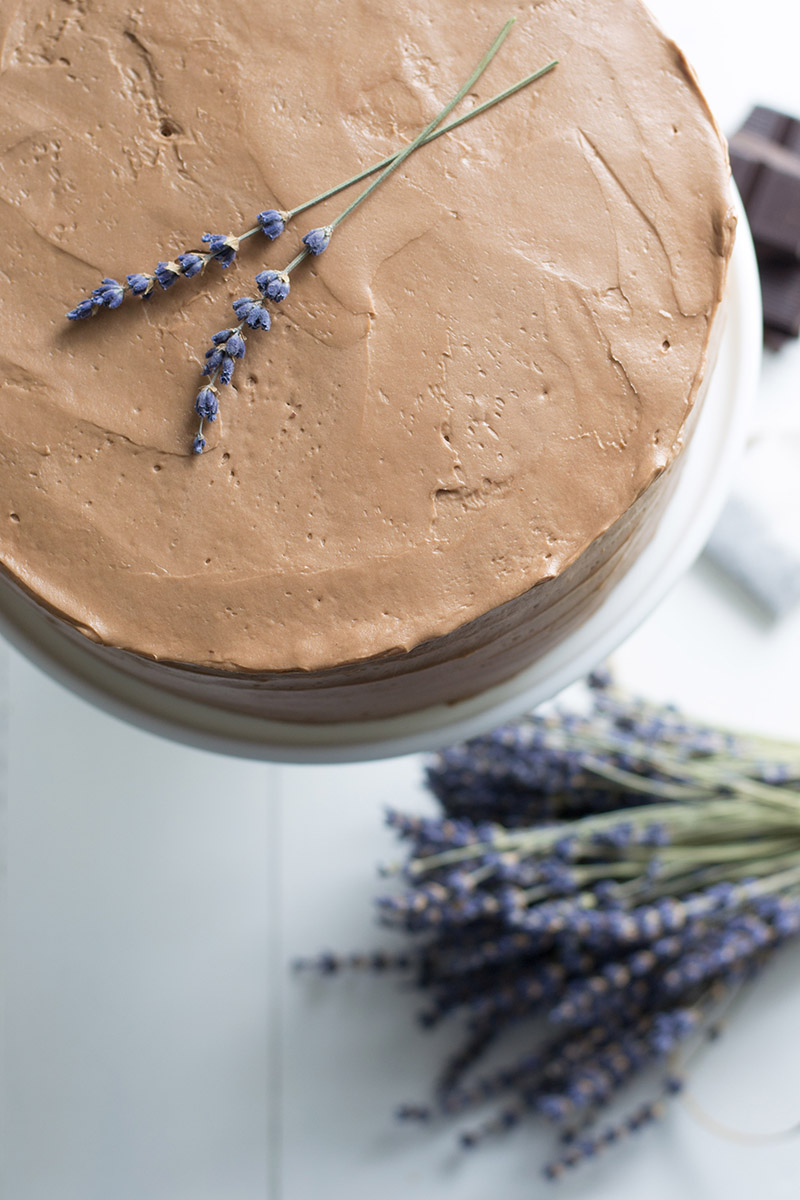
point(493, 361)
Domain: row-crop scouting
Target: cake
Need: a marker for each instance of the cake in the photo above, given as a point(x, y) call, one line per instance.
point(467, 418)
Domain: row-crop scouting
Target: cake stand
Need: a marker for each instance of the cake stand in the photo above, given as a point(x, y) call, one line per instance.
point(687, 521)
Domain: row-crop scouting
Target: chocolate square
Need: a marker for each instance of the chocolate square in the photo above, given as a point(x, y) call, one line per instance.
point(780, 294)
point(765, 160)
point(775, 340)
point(767, 123)
point(774, 213)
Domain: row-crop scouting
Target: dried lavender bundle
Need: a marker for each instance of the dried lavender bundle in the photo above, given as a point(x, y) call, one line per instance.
point(616, 876)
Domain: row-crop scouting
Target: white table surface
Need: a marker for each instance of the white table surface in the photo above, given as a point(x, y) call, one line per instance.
point(156, 1045)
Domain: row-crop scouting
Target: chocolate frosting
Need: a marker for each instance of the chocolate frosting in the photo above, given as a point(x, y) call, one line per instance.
point(488, 368)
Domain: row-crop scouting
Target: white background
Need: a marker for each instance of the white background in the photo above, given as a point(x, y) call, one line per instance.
point(156, 1045)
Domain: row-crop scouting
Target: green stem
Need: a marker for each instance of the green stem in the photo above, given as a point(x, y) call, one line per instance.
point(400, 158)
point(714, 814)
point(437, 133)
point(718, 852)
point(677, 881)
point(329, 193)
point(301, 257)
point(630, 782)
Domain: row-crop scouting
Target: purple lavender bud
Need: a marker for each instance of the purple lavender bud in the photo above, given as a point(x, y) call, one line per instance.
point(271, 222)
point(619, 836)
point(414, 1112)
point(109, 294)
point(273, 284)
point(226, 370)
point(207, 405)
point(607, 892)
point(556, 876)
point(221, 247)
point(214, 358)
point(85, 308)
point(166, 273)
point(566, 848)
point(235, 346)
point(670, 1027)
point(141, 285)
point(259, 318)
point(220, 338)
point(554, 1107)
point(317, 239)
point(190, 264)
point(199, 444)
point(655, 835)
point(654, 868)
point(244, 306)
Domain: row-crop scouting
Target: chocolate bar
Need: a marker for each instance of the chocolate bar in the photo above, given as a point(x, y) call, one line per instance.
point(765, 158)
point(780, 296)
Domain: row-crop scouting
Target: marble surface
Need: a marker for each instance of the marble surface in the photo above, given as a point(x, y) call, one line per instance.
point(156, 1043)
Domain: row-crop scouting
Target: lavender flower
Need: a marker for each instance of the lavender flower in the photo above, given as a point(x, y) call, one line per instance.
point(141, 285)
point(272, 223)
point(588, 1147)
point(214, 357)
point(199, 444)
point(537, 893)
point(109, 294)
point(317, 240)
point(190, 264)
point(222, 336)
point(166, 273)
point(273, 284)
point(259, 318)
point(221, 247)
point(83, 309)
point(235, 345)
point(226, 370)
point(227, 345)
point(207, 404)
point(252, 312)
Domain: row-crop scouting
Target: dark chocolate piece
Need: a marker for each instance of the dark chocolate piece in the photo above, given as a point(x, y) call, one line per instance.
point(780, 295)
point(765, 160)
point(774, 339)
point(767, 123)
point(791, 139)
point(774, 213)
point(749, 147)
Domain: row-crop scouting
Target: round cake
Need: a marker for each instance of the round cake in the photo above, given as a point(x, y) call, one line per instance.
point(467, 416)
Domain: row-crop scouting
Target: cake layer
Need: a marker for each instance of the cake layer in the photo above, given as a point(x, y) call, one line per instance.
point(425, 471)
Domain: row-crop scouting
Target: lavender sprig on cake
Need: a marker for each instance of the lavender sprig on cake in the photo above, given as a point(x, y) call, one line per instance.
point(618, 874)
point(275, 285)
point(271, 222)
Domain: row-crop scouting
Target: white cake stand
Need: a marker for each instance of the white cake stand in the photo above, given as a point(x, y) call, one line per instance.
point(692, 511)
